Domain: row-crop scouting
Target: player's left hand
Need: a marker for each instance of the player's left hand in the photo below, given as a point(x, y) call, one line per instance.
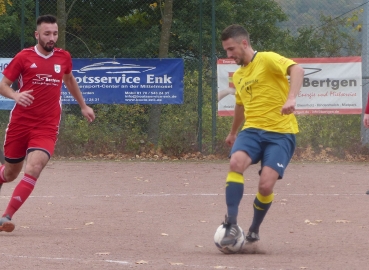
point(288, 107)
point(88, 112)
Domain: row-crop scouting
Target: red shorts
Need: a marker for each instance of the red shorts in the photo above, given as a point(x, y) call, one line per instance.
point(20, 139)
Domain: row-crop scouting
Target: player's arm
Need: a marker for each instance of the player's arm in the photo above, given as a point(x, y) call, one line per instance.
point(238, 119)
point(225, 92)
point(366, 115)
point(23, 98)
point(296, 73)
point(72, 86)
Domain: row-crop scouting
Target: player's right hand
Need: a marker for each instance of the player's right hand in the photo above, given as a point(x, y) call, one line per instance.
point(24, 98)
point(366, 120)
point(231, 138)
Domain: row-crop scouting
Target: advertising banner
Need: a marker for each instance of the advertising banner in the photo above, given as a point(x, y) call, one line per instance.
point(330, 86)
point(5, 103)
point(122, 81)
point(128, 81)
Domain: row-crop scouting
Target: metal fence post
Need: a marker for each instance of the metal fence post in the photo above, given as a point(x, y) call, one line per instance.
point(199, 94)
point(213, 79)
point(365, 70)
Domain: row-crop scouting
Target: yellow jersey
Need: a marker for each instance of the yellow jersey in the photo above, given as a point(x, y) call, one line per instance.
point(262, 89)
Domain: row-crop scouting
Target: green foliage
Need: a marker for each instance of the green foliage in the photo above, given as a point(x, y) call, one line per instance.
point(10, 27)
point(74, 136)
point(131, 29)
point(117, 129)
point(339, 133)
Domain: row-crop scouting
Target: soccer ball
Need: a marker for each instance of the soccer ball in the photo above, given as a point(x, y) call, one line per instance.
point(218, 236)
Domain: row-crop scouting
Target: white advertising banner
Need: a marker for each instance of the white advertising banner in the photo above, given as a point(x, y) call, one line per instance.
point(331, 86)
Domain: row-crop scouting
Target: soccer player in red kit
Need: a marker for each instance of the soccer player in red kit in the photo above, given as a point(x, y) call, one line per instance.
point(34, 121)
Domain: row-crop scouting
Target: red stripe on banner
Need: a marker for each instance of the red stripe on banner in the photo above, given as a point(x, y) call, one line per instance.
point(327, 60)
point(309, 112)
point(328, 111)
point(225, 113)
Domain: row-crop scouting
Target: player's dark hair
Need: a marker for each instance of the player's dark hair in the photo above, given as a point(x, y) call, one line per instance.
point(235, 31)
point(46, 19)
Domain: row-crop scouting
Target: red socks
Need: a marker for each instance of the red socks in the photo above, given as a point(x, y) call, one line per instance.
point(20, 194)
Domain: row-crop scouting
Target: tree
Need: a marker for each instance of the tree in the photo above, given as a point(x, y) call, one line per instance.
point(155, 110)
point(62, 16)
point(3, 5)
point(333, 38)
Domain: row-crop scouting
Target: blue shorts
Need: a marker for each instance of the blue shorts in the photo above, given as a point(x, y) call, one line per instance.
point(273, 149)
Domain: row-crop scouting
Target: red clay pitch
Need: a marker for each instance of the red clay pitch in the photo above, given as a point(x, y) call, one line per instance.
point(163, 215)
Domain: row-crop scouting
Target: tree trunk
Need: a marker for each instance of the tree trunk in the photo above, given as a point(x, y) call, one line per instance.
point(62, 23)
point(155, 110)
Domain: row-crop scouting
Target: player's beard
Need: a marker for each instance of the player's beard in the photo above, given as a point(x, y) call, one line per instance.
point(240, 60)
point(46, 47)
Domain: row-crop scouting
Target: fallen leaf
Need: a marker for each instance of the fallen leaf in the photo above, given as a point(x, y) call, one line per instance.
point(203, 221)
point(307, 221)
point(89, 223)
point(164, 234)
point(199, 246)
point(342, 221)
point(142, 262)
point(102, 253)
point(173, 263)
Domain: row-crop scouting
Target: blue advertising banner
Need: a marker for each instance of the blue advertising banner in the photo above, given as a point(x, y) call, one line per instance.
point(128, 81)
point(121, 81)
point(5, 103)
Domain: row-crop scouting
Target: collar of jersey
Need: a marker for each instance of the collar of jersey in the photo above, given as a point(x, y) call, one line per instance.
point(252, 59)
point(42, 55)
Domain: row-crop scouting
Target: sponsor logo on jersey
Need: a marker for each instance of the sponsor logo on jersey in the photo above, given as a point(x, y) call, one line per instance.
point(33, 66)
point(45, 79)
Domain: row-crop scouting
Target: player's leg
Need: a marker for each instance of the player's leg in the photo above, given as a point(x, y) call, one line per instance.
point(15, 147)
point(245, 143)
point(9, 171)
point(41, 147)
point(36, 161)
point(277, 155)
point(262, 202)
point(14, 158)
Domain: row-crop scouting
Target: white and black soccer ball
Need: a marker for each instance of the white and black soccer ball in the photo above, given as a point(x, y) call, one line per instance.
point(218, 236)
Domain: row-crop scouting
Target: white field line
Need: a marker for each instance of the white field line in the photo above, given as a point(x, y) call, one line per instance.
point(187, 194)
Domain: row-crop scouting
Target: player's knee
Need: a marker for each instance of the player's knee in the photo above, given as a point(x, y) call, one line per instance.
point(236, 165)
point(34, 170)
point(265, 189)
point(10, 176)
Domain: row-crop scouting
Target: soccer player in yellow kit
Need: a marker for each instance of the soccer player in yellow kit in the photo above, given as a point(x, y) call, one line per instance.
point(265, 102)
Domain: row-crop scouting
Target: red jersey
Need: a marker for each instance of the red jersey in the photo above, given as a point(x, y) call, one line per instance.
point(44, 75)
